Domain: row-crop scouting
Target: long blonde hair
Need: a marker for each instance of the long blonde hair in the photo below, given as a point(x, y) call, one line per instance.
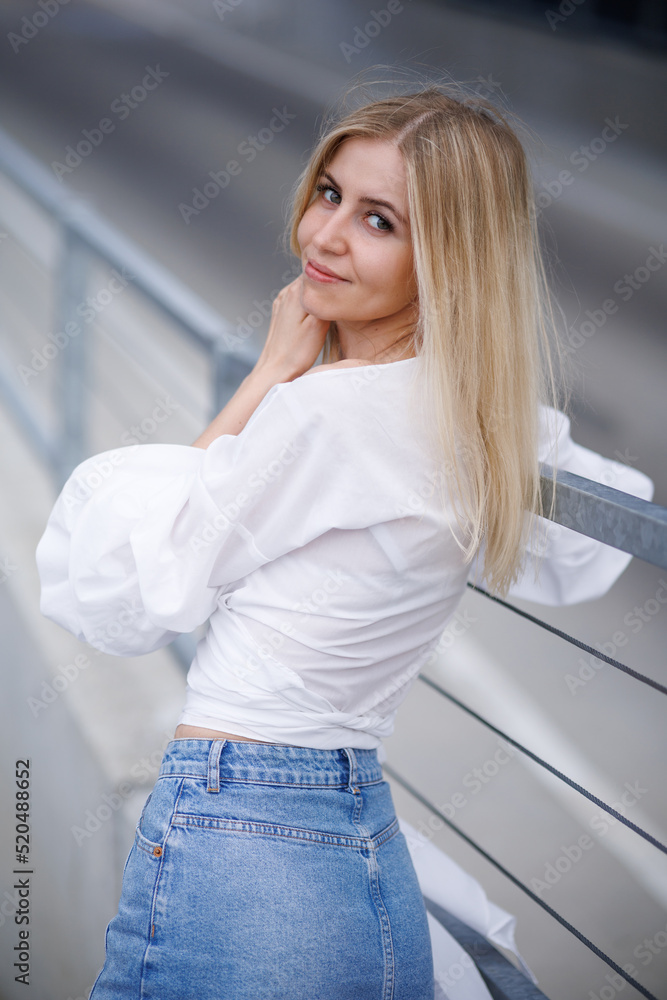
point(486, 330)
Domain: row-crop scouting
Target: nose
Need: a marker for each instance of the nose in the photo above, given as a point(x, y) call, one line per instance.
point(331, 234)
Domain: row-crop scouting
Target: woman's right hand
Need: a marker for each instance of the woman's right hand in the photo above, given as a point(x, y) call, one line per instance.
point(293, 344)
point(295, 338)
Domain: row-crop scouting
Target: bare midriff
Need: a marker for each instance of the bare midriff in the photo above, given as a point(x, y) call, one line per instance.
point(199, 733)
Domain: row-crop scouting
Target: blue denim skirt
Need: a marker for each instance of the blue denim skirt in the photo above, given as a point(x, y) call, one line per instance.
point(268, 872)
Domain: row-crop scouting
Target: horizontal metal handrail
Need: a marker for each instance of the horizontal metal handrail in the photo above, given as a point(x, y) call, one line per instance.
point(628, 523)
point(503, 980)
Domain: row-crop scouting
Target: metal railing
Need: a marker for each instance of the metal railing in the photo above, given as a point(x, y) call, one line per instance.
point(627, 523)
point(84, 236)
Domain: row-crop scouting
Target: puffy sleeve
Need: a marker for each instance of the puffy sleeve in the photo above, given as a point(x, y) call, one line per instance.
point(143, 541)
point(573, 567)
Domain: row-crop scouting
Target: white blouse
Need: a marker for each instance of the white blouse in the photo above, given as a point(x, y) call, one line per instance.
point(316, 541)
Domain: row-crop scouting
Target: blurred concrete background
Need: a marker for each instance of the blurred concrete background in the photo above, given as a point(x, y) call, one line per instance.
point(93, 727)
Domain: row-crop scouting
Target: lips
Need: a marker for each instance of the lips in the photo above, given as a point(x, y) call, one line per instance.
point(318, 272)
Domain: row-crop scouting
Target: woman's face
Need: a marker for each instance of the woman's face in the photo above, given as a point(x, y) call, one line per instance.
point(355, 241)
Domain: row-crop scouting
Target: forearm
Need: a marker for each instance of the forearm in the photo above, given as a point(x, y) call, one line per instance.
point(237, 412)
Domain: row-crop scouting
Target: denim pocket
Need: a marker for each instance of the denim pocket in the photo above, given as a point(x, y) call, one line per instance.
point(155, 820)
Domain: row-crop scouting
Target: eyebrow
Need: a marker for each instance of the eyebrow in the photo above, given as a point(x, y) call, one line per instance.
point(369, 201)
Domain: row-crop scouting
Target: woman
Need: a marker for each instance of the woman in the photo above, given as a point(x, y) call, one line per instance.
point(327, 522)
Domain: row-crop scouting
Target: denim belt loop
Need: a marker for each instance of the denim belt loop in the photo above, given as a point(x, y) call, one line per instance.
point(352, 761)
point(214, 765)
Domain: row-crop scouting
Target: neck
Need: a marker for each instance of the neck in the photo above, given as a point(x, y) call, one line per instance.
point(375, 342)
